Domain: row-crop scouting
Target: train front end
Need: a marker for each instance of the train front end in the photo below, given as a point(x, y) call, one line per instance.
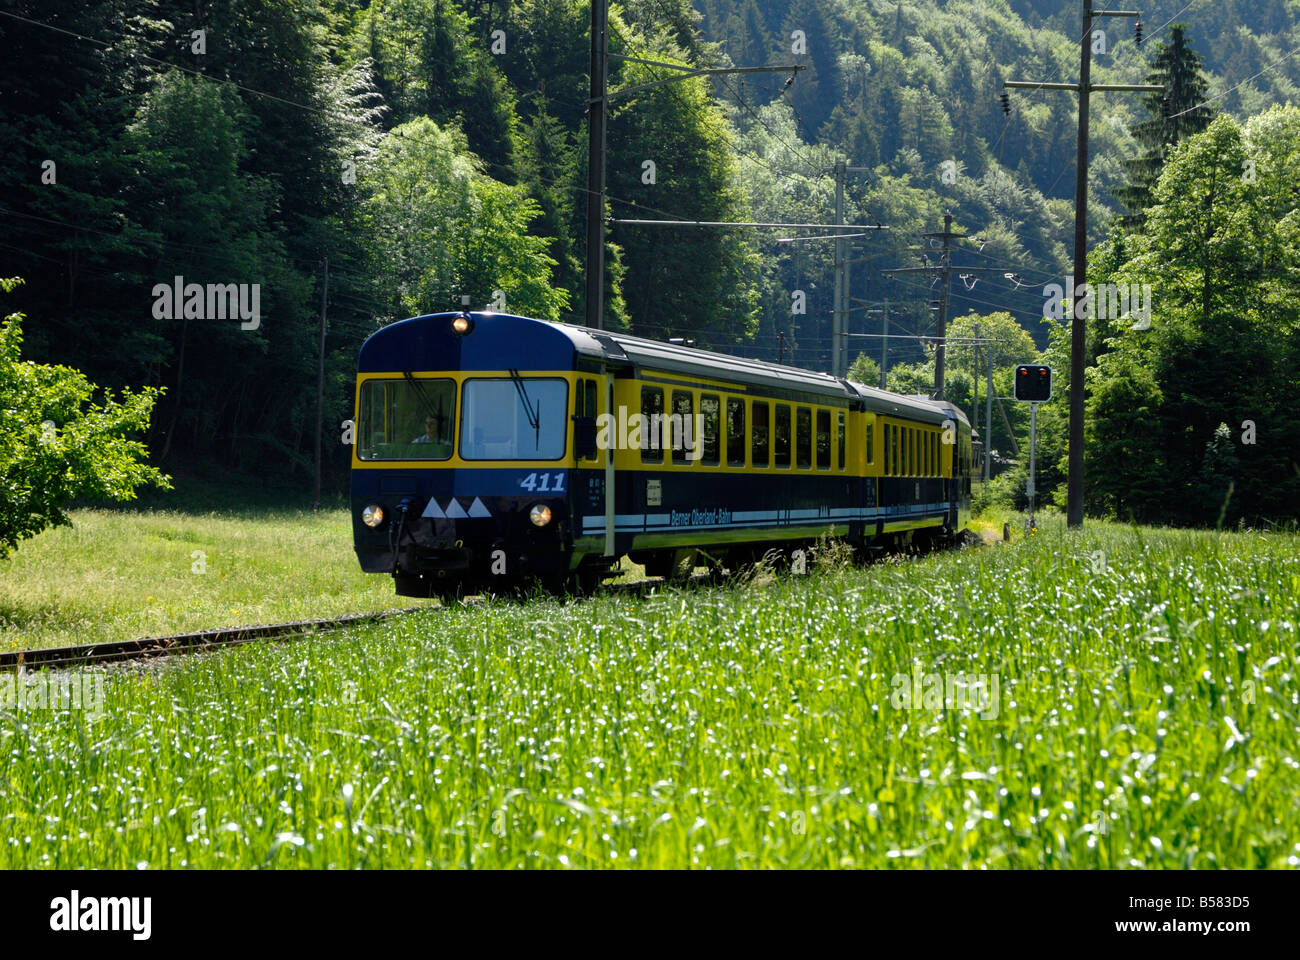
point(463, 456)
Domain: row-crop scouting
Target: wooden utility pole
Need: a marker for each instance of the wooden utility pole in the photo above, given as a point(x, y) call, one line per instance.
point(944, 270)
point(1078, 325)
point(841, 254)
point(868, 307)
point(884, 341)
point(320, 373)
point(596, 164)
point(939, 351)
point(843, 284)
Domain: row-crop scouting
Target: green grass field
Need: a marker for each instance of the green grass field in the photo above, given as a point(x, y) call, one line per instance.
point(1146, 717)
point(121, 574)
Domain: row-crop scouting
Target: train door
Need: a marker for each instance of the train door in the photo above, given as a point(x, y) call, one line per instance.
point(869, 467)
point(959, 461)
point(611, 550)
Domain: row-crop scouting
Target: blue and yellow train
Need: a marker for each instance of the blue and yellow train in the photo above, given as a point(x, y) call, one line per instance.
point(493, 449)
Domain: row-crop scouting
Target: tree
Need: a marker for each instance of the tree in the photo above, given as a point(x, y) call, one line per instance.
point(865, 370)
point(438, 228)
point(1127, 476)
point(208, 219)
point(701, 283)
point(1176, 113)
point(1218, 252)
point(1011, 345)
point(1217, 480)
point(58, 445)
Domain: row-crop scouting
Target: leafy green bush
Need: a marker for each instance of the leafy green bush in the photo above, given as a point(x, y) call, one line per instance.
point(1005, 491)
point(57, 445)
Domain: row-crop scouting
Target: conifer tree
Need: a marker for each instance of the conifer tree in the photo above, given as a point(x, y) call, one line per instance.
point(1176, 113)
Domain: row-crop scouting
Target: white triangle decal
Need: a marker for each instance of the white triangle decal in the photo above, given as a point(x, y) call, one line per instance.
point(433, 510)
point(476, 509)
point(455, 511)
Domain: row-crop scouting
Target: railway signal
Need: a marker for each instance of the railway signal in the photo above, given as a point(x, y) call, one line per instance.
point(1033, 385)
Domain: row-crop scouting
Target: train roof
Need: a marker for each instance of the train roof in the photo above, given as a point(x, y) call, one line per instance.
point(620, 348)
point(676, 358)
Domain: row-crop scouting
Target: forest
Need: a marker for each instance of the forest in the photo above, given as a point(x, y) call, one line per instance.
point(360, 162)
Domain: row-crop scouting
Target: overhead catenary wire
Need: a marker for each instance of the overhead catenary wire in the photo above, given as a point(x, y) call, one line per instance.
point(1226, 93)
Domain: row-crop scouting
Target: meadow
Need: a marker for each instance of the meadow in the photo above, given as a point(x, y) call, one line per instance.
point(122, 574)
point(1145, 717)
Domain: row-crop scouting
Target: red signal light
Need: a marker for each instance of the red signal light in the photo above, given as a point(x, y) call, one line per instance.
point(1039, 392)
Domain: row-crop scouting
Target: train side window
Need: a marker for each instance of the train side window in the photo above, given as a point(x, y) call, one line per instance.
point(871, 443)
point(681, 427)
point(803, 438)
point(823, 439)
point(760, 449)
point(907, 452)
point(934, 454)
point(736, 432)
point(840, 437)
point(781, 437)
point(711, 409)
point(893, 450)
point(652, 411)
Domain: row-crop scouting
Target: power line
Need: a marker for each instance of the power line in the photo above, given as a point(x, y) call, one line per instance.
point(1271, 66)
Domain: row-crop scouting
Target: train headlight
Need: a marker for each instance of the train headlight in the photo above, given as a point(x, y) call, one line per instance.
point(540, 514)
point(462, 325)
point(373, 515)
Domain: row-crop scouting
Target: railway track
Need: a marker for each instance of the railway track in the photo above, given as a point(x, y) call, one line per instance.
point(146, 647)
point(143, 648)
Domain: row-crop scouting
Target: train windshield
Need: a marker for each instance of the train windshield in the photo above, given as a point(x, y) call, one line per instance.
point(407, 419)
point(519, 418)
